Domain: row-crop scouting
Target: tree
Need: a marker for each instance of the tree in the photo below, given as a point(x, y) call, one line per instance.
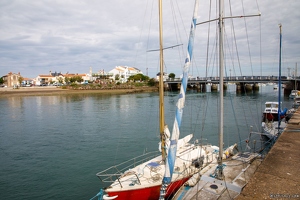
point(67, 80)
point(1, 80)
point(172, 75)
point(146, 78)
point(151, 82)
point(77, 79)
point(60, 79)
point(138, 77)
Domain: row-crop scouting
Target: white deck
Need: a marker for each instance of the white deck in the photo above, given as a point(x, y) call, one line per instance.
point(237, 173)
point(271, 130)
point(150, 173)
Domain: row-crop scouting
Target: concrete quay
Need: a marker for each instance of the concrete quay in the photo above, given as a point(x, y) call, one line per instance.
point(278, 177)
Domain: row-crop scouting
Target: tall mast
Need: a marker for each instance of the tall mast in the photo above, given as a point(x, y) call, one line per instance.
point(161, 86)
point(172, 148)
point(279, 78)
point(220, 20)
point(296, 78)
point(221, 66)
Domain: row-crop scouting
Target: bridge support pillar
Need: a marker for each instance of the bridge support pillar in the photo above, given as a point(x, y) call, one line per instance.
point(255, 87)
point(214, 87)
point(173, 86)
point(225, 86)
point(201, 87)
point(248, 87)
point(238, 88)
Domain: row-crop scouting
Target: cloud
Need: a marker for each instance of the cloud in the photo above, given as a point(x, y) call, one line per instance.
point(72, 36)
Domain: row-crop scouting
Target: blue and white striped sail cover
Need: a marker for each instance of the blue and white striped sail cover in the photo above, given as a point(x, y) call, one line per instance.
point(170, 161)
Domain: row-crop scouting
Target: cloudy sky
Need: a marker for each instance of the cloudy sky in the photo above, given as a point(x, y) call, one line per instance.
point(73, 35)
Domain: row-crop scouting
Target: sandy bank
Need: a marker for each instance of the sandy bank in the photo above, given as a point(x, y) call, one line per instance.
point(44, 91)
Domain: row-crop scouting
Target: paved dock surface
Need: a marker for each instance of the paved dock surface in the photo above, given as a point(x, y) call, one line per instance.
point(278, 177)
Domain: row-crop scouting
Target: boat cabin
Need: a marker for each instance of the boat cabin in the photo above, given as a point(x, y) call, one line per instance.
point(271, 111)
point(271, 107)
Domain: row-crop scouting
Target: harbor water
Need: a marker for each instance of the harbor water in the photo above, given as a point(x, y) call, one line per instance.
point(51, 147)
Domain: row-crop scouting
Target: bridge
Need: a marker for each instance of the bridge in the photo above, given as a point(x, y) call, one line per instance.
point(234, 79)
point(244, 83)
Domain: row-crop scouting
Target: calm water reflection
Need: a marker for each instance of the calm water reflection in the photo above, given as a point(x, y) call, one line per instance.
point(51, 147)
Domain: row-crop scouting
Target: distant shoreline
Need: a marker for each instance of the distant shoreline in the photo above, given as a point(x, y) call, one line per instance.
point(47, 91)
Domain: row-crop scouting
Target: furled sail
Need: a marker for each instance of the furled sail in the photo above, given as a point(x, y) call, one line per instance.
point(170, 160)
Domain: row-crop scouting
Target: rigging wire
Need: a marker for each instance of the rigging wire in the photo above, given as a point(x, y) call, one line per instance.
point(176, 28)
point(207, 48)
point(248, 45)
point(238, 59)
point(260, 52)
point(260, 59)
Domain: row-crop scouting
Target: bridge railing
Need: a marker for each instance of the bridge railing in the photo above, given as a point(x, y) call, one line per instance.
point(233, 78)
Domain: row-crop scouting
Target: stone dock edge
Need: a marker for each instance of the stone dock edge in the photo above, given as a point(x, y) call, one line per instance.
point(278, 177)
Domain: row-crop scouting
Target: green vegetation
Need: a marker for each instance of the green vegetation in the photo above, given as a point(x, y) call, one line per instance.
point(60, 80)
point(74, 79)
point(77, 79)
point(138, 77)
point(111, 85)
point(151, 82)
point(134, 81)
point(172, 75)
point(67, 80)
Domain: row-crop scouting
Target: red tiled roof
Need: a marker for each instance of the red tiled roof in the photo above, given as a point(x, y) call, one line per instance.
point(45, 75)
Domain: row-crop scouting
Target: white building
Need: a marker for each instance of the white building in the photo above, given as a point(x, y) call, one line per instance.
point(59, 77)
point(165, 76)
point(123, 73)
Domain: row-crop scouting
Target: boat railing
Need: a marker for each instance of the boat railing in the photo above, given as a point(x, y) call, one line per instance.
point(115, 172)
